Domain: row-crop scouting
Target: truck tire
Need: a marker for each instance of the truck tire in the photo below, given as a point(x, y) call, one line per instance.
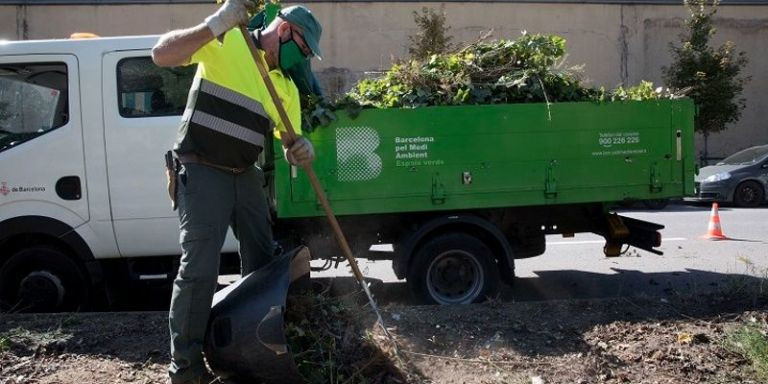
point(453, 268)
point(749, 194)
point(42, 279)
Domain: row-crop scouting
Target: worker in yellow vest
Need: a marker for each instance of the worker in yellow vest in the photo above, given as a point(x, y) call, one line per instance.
point(223, 130)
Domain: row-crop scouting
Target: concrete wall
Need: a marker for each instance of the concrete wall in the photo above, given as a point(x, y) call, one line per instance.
point(616, 43)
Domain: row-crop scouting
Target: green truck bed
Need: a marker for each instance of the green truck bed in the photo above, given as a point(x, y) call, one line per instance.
point(490, 156)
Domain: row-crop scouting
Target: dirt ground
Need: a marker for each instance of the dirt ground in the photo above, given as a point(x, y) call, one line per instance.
point(628, 340)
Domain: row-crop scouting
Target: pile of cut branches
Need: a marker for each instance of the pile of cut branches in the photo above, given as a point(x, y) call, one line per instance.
point(524, 70)
point(530, 69)
point(331, 346)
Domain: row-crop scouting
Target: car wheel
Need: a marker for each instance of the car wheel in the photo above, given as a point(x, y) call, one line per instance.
point(42, 279)
point(749, 194)
point(453, 268)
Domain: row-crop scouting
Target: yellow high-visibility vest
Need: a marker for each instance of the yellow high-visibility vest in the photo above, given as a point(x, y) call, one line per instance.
point(229, 109)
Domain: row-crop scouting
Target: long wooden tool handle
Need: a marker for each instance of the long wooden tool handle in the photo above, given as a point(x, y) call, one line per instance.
point(291, 133)
point(319, 191)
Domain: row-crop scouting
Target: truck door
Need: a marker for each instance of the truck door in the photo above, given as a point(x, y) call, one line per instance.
point(42, 167)
point(142, 105)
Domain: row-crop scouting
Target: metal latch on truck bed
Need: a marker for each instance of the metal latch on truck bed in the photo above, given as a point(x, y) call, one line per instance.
point(550, 184)
point(655, 178)
point(438, 190)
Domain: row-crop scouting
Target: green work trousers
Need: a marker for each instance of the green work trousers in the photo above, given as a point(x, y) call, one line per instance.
point(209, 201)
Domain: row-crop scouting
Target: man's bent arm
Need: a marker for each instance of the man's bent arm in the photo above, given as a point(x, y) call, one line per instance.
point(176, 47)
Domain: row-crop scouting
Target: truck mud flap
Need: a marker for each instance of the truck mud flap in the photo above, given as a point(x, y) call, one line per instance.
point(245, 341)
point(637, 233)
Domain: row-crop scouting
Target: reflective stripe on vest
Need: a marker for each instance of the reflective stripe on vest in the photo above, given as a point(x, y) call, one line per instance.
point(233, 97)
point(230, 113)
point(228, 128)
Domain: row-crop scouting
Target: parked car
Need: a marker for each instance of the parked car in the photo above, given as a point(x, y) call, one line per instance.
point(741, 179)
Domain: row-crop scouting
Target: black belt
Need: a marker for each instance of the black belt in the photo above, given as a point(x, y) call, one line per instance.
point(192, 158)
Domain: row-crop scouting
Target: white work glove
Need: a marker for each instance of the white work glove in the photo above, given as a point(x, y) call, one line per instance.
point(301, 152)
point(229, 15)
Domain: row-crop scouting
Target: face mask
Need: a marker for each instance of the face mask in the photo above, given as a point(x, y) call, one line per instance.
point(290, 54)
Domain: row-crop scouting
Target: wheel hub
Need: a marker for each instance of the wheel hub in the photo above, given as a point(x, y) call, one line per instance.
point(749, 195)
point(454, 277)
point(41, 289)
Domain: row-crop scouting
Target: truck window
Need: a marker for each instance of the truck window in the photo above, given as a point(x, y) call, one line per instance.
point(33, 101)
point(146, 90)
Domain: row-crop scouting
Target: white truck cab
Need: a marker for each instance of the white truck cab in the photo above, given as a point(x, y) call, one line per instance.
point(84, 125)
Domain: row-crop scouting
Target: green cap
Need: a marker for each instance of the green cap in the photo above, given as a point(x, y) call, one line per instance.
point(302, 17)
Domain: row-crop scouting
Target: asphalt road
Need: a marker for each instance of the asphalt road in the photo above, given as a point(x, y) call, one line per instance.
point(576, 267)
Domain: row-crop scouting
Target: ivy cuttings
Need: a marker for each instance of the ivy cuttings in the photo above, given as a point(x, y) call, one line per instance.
point(530, 69)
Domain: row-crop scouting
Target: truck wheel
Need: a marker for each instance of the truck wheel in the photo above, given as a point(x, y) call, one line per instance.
point(42, 279)
point(748, 194)
point(454, 268)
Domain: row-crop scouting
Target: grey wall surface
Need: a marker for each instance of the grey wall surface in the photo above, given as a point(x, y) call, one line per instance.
point(616, 43)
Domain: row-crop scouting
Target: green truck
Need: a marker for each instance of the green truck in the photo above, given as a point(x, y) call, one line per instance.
point(461, 192)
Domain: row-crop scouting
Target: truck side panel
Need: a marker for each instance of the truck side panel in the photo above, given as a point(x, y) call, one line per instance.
point(469, 157)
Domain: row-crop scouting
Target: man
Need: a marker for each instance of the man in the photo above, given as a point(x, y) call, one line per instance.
point(229, 112)
point(301, 74)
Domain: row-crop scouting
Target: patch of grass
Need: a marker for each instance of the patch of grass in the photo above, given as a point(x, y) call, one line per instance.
point(31, 339)
point(5, 343)
point(750, 341)
point(749, 283)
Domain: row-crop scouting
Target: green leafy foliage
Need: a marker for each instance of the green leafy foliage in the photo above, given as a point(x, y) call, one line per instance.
point(711, 74)
point(318, 110)
point(640, 92)
point(530, 69)
point(504, 71)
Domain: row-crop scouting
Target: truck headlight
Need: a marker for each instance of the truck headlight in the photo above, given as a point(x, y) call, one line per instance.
point(718, 177)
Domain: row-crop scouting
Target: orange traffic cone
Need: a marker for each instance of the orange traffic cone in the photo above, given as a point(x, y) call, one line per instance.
point(714, 232)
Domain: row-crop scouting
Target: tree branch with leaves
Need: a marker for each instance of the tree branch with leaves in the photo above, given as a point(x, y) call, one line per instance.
point(712, 75)
point(432, 36)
